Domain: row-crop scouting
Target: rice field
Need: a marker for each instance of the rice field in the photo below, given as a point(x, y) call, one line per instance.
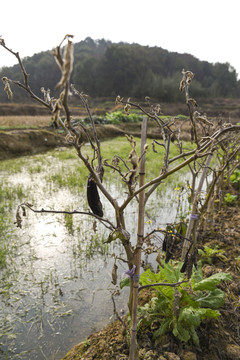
point(56, 271)
point(24, 121)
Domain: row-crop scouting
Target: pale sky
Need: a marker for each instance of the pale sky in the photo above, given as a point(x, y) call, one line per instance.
point(207, 29)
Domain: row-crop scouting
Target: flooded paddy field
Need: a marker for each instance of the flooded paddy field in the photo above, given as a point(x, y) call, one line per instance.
point(55, 272)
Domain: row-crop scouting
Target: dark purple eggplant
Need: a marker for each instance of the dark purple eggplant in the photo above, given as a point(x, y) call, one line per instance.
point(93, 198)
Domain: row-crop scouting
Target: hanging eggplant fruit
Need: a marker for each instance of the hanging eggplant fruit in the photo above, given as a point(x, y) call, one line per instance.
point(93, 197)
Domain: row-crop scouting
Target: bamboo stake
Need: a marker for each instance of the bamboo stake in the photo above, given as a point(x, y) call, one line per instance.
point(194, 217)
point(137, 253)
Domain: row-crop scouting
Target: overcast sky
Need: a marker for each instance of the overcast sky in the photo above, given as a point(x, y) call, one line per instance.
point(207, 29)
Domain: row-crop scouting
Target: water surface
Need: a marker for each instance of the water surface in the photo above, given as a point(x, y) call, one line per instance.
point(56, 283)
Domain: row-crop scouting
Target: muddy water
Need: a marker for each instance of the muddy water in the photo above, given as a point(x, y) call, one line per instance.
point(56, 284)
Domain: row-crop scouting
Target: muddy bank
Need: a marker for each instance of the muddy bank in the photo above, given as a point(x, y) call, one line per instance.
point(15, 143)
point(18, 142)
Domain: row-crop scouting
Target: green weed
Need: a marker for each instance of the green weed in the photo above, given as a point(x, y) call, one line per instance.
point(3, 256)
point(230, 199)
point(6, 233)
point(208, 254)
point(66, 155)
point(12, 166)
point(37, 169)
point(117, 117)
point(96, 245)
point(10, 193)
point(235, 177)
point(71, 178)
point(154, 161)
point(181, 309)
point(68, 221)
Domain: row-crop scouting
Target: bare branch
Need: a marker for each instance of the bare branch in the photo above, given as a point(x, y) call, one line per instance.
point(103, 221)
point(82, 96)
point(191, 103)
point(24, 86)
point(167, 232)
point(162, 284)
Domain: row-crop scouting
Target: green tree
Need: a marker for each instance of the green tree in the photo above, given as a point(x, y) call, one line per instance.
point(225, 79)
point(85, 75)
point(102, 68)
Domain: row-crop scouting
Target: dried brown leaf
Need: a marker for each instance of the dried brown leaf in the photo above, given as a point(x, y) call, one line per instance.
point(114, 274)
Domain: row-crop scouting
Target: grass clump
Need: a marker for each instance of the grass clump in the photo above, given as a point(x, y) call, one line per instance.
point(75, 178)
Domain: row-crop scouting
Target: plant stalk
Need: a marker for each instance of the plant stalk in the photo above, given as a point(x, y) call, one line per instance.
point(137, 253)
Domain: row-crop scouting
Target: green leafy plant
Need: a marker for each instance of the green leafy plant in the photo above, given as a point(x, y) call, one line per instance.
point(118, 117)
point(207, 254)
point(115, 117)
point(235, 177)
point(97, 120)
point(230, 199)
point(181, 309)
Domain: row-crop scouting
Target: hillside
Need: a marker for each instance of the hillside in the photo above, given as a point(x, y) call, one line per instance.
point(105, 69)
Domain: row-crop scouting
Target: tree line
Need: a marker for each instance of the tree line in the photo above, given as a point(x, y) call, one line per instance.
point(106, 69)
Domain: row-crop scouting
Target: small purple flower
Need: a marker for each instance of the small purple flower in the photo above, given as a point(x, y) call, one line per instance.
point(130, 273)
point(194, 216)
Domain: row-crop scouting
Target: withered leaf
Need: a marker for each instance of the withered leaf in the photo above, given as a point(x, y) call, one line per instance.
point(114, 274)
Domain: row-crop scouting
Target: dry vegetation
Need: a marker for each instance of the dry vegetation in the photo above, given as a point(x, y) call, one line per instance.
point(25, 121)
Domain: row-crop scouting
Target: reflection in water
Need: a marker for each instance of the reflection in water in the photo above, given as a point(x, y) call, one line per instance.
point(55, 288)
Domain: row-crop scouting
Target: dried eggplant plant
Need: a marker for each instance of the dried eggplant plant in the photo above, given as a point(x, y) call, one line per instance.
point(206, 137)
